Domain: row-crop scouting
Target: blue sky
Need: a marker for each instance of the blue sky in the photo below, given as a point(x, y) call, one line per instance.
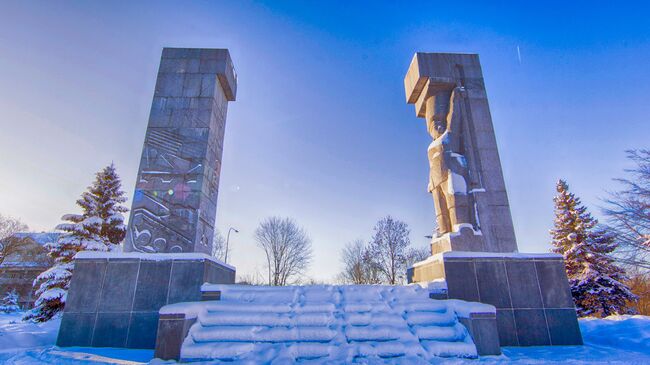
point(320, 130)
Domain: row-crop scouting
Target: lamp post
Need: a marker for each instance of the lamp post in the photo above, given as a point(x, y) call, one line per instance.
point(225, 259)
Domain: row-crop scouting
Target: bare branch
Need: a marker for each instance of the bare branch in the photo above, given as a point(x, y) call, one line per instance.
point(8, 227)
point(287, 248)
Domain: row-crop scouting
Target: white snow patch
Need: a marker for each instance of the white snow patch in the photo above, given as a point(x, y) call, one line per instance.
point(463, 308)
point(468, 254)
point(456, 184)
point(150, 256)
point(510, 255)
point(429, 260)
point(613, 340)
point(455, 230)
point(189, 309)
point(442, 139)
point(434, 285)
point(460, 158)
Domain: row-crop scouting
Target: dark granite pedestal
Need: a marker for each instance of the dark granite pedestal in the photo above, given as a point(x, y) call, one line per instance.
point(114, 298)
point(530, 292)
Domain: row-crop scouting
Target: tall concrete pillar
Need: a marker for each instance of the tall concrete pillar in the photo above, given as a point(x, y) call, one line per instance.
point(175, 200)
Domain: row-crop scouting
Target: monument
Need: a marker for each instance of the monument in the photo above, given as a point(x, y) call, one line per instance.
point(465, 178)
point(114, 298)
point(175, 201)
point(475, 250)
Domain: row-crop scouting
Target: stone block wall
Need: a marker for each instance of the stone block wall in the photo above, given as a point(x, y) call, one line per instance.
point(114, 299)
point(530, 292)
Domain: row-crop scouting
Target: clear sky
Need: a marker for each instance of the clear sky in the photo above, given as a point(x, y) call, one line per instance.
point(320, 130)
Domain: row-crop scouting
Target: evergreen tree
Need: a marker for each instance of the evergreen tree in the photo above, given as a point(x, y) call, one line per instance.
point(9, 303)
point(108, 196)
point(597, 284)
point(100, 227)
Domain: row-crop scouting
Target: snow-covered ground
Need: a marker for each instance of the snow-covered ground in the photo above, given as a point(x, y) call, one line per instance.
point(28, 343)
point(615, 340)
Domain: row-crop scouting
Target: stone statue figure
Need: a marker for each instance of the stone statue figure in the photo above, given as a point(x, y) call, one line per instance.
point(449, 173)
point(465, 177)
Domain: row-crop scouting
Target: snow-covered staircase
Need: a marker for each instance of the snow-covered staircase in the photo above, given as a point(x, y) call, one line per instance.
point(325, 323)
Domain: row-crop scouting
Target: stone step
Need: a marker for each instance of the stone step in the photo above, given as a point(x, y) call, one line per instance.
point(430, 318)
point(450, 349)
point(266, 319)
point(336, 324)
point(456, 332)
point(264, 334)
point(249, 307)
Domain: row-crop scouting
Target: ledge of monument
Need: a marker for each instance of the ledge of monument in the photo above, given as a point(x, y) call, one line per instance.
point(465, 309)
point(188, 256)
point(190, 310)
point(504, 255)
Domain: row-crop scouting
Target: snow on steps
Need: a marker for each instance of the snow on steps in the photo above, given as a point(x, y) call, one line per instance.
point(326, 324)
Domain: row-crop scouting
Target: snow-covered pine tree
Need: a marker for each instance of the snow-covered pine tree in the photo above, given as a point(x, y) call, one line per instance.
point(597, 284)
point(9, 303)
point(82, 233)
point(100, 227)
point(106, 191)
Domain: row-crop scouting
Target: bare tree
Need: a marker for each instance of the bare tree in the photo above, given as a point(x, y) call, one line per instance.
point(639, 283)
point(417, 254)
point(373, 273)
point(358, 266)
point(219, 246)
point(8, 227)
point(352, 257)
point(251, 279)
point(388, 248)
point(287, 248)
point(628, 211)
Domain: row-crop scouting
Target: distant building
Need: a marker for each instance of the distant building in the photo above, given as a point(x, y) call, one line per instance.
point(24, 263)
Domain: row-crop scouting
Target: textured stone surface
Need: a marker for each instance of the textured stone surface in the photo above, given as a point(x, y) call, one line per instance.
point(531, 327)
point(563, 327)
point(142, 330)
point(172, 330)
point(493, 283)
point(111, 329)
point(118, 291)
point(524, 287)
point(79, 328)
point(483, 329)
point(461, 280)
point(153, 285)
point(86, 299)
point(465, 180)
point(507, 328)
point(174, 205)
point(549, 274)
point(132, 290)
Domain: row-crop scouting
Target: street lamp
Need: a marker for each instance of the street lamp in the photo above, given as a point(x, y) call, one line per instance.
point(225, 259)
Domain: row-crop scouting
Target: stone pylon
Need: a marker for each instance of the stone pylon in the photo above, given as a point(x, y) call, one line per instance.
point(175, 200)
point(475, 251)
point(465, 179)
